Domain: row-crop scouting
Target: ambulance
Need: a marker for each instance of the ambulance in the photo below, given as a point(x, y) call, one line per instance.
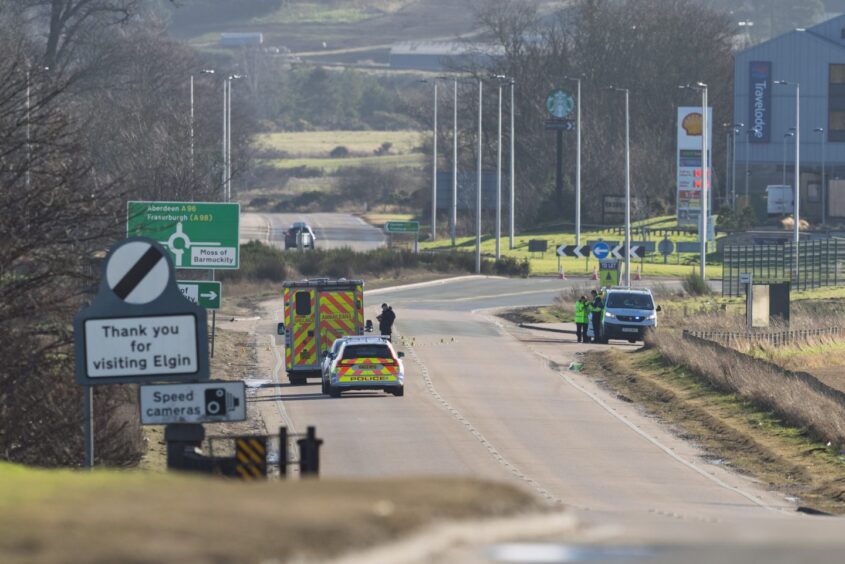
point(316, 313)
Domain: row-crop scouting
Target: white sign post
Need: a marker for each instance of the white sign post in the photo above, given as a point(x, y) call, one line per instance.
point(140, 328)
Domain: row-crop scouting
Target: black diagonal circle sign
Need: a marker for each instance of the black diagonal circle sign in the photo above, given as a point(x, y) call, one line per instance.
point(137, 272)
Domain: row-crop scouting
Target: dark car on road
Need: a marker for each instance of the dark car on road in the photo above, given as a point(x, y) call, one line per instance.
point(297, 231)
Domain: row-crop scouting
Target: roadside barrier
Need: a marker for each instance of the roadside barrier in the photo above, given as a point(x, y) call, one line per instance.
point(247, 457)
point(773, 338)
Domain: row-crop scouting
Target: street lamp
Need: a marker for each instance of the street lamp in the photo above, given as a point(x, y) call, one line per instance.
point(500, 78)
point(478, 186)
point(227, 135)
point(786, 136)
point(705, 172)
point(796, 231)
point(577, 160)
point(730, 160)
point(824, 179)
point(736, 129)
point(203, 71)
point(627, 182)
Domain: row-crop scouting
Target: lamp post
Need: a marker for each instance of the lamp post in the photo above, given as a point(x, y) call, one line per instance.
point(627, 183)
point(728, 196)
point(500, 78)
point(453, 228)
point(796, 234)
point(434, 170)
point(786, 136)
point(577, 159)
point(227, 135)
point(824, 179)
point(478, 186)
point(203, 71)
point(705, 173)
point(736, 129)
point(512, 172)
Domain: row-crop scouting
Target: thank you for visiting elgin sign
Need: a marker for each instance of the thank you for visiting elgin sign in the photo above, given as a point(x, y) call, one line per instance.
point(140, 328)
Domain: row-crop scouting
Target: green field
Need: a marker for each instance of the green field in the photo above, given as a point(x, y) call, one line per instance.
point(314, 13)
point(677, 265)
point(320, 143)
point(330, 166)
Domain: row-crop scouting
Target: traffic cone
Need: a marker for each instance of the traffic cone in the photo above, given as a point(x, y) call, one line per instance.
point(562, 274)
point(637, 274)
point(595, 273)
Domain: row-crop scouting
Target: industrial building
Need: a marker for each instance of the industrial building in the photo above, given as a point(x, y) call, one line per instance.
point(814, 60)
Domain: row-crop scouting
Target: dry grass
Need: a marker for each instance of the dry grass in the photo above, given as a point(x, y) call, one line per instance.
point(731, 430)
point(140, 517)
point(771, 388)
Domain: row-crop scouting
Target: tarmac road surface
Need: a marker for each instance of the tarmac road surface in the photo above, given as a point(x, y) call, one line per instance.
point(488, 399)
point(332, 230)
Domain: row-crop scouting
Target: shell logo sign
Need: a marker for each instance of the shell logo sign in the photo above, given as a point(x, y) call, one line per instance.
point(692, 124)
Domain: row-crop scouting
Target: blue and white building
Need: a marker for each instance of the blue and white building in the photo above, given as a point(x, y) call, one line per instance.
point(814, 58)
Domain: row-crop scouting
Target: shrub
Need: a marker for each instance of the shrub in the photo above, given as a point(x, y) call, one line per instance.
point(339, 152)
point(695, 285)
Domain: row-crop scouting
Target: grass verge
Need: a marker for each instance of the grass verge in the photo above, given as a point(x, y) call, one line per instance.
point(547, 263)
point(731, 430)
point(321, 143)
point(113, 516)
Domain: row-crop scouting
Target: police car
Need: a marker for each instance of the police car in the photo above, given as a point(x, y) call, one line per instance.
point(628, 314)
point(363, 363)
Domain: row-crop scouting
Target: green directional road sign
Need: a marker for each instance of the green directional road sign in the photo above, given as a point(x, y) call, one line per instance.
point(402, 227)
point(196, 234)
point(203, 293)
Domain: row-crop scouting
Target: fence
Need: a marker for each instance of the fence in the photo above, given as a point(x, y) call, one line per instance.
point(773, 338)
point(819, 264)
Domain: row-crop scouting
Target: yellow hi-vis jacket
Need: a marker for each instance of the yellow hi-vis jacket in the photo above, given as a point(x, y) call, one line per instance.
point(581, 311)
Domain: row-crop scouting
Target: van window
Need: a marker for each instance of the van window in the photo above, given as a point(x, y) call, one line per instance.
point(624, 300)
point(303, 303)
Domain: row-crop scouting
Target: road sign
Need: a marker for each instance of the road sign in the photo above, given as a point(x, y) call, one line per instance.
point(207, 402)
point(666, 247)
point(402, 227)
point(560, 103)
point(582, 251)
point(207, 294)
point(688, 247)
point(196, 234)
point(601, 250)
point(619, 251)
point(609, 272)
point(745, 278)
point(561, 124)
point(140, 328)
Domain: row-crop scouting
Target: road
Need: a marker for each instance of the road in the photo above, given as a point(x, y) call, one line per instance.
point(332, 230)
point(487, 399)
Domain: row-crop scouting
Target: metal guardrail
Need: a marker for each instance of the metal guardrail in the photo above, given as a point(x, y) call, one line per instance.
point(774, 338)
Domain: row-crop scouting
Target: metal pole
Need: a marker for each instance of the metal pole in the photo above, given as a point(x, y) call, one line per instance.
point(824, 179)
point(225, 123)
point(783, 160)
point(747, 173)
point(733, 170)
point(478, 187)
point(728, 195)
point(499, 178)
point(229, 145)
point(454, 216)
point(192, 128)
point(88, 424)
point(797, 234)
point(705, 182)
point(434, 170)
point(28, 175)
point(578, 167)
point(628, 189)
point(512, 172)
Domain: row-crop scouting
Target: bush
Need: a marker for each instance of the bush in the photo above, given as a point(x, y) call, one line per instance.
point(695, 285)
point(339, 152)
point(259, 262)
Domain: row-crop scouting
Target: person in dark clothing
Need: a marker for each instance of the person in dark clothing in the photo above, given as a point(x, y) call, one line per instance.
point(385, 320)
point(597, 309)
